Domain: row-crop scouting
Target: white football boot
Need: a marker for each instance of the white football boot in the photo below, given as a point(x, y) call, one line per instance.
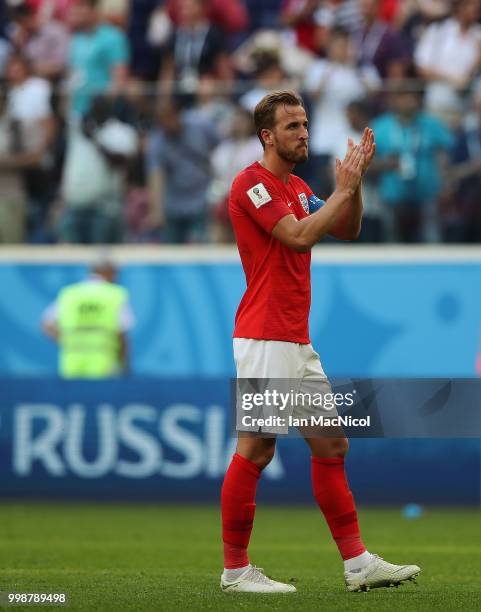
point(254, 581)
point(379, 573)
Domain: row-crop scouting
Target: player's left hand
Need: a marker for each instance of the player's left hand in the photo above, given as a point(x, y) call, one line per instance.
point(368, 145)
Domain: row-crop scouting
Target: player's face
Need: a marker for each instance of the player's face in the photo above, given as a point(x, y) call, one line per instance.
point(290, 136)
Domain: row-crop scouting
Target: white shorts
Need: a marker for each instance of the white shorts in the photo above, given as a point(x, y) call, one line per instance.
point(261, 365)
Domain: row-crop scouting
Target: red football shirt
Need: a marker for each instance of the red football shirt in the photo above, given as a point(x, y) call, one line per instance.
point(276, 303)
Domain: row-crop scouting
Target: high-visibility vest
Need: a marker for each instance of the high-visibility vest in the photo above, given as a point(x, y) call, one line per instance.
point(89, 329)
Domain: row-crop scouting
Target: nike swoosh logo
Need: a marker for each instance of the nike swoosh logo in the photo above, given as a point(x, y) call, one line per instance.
point(226, 587)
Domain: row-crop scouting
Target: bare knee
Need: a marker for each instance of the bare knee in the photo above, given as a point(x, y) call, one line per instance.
point(258, 450)
point(328, 447)
point(338, 447)
point(263, 458)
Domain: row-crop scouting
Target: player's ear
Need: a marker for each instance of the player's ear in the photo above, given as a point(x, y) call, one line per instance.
point(267, 136)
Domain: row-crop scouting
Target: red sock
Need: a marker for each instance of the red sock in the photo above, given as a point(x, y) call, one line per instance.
point(335, 499)
point(238, 508)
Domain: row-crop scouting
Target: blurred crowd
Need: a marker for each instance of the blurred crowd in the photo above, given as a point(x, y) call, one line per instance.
point(126, 121)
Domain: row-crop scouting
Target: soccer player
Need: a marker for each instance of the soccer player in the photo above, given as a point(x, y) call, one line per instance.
point(275, 231)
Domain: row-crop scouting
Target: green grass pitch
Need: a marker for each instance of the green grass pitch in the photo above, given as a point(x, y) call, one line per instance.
point(152, 557)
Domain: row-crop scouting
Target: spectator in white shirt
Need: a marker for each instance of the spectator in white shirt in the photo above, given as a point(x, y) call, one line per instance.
point(240, 149)
point(32, 129)
point(94, 176)
point(448, 56)
point(332, 84)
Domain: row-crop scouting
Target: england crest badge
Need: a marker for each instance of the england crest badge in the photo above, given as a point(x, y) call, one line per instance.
point(303, 200)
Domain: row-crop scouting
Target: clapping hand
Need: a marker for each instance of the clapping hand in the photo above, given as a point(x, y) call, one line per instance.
point(349, 171)
point(368, 145)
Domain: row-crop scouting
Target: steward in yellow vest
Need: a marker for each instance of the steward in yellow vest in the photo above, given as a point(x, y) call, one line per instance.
point(89, 320)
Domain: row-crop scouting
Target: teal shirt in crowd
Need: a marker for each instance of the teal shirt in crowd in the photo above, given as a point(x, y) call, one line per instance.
point(417, 144)
point(93, 56)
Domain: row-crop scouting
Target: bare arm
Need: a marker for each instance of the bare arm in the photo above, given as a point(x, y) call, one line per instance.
point(156, 182)
point(167, 75)
point(19, 161)
point(431, 75)
point(224, 70)
point(50, 330)
point(29, 159)
point(321, 87)
point(458, 82)
point(49, 70)
point(120, 75)
point(348, 224)
point(49, 126)
point(302, 235)
point(124, 353)
point(458, 172)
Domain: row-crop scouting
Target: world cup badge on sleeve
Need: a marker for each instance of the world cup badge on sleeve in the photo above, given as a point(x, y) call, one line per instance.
point(259, 195)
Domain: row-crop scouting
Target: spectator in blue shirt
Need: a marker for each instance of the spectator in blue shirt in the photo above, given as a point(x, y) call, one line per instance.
point(98, 57)
point(410, 144)
point(179, 173)
point(461, 201)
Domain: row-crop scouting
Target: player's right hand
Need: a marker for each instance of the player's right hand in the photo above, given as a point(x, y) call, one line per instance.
point(349, 171)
